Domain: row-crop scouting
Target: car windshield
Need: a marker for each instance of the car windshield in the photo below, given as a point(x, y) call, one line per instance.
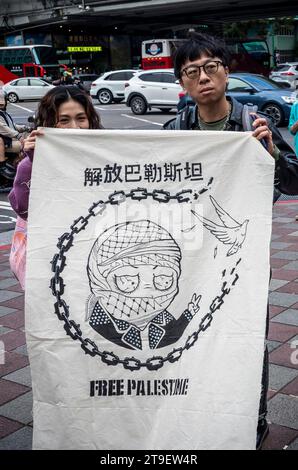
point(263, 83)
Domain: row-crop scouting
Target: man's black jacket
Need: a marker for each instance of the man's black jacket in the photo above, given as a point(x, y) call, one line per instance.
point(286, 167)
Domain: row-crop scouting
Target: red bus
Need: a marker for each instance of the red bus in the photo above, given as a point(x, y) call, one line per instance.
point(24, 61)
point(247, 55)
point(158, 53)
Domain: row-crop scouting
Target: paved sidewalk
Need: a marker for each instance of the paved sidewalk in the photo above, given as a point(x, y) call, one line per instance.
point(15, 381)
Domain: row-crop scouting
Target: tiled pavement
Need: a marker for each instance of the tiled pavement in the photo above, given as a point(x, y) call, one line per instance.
point(15, 392)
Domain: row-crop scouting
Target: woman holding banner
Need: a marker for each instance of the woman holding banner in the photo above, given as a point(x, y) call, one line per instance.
point(65, 107)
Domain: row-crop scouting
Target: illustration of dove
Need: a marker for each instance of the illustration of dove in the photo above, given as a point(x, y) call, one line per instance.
point(230, 233)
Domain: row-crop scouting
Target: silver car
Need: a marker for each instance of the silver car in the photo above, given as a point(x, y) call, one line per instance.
point(287, 72)
point(29, 88)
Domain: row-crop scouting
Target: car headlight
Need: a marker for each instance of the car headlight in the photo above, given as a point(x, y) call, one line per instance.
point(289, 99)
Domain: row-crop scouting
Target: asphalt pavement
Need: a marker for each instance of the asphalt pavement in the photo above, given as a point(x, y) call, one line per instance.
point(114, 116)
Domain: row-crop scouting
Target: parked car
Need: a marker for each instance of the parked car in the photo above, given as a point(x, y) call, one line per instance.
point(29, 88)
point(109, 86)
point(287, 72)
point(152, 89)
point(87, 79)
point(269, 96)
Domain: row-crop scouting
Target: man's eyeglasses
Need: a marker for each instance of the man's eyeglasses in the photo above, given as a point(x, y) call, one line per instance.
point(194, 71)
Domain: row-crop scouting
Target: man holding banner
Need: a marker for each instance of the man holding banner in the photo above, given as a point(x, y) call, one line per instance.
point(147, 279)
point(201, 65)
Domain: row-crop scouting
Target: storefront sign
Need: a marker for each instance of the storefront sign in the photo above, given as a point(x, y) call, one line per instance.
point(84, 49)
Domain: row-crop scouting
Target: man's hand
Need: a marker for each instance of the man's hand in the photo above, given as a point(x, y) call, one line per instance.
point(193, 305)
point(262, 131)
point(29, 142)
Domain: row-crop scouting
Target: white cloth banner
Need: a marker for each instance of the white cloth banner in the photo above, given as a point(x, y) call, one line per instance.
point(146, 288)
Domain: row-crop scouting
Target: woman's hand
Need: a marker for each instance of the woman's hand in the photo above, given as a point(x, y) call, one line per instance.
point(262, 131)
point(29, 142)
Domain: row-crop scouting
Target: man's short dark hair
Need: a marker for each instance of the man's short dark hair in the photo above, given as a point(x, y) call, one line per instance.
point(197, 45)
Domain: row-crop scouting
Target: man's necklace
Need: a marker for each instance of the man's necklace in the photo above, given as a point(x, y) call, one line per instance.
point(202, 125)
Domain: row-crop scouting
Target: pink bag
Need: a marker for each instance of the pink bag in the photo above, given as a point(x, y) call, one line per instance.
point(17, 257)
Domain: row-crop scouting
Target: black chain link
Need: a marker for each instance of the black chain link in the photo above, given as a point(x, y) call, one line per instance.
point(97, 208)
point(131, 363)
point(109, 358)
point(72, 329)
point(61, 309)
point(89, 347)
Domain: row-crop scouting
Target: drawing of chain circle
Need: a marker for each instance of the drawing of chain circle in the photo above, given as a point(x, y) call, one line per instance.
point(72, 329)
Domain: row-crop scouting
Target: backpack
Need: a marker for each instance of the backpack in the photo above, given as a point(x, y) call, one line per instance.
point(182, 118)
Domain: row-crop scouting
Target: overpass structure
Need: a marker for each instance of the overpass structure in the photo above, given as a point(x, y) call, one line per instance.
point(133, 16)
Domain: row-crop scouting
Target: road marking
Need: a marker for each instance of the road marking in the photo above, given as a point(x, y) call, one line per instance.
point(22, 107)
point(144, 120)
point(21, 117)
point(108, 109)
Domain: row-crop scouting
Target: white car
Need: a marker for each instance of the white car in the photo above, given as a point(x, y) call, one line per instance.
point(109, 86)
point(152, 89)
point(29, 88)
point(287, 72)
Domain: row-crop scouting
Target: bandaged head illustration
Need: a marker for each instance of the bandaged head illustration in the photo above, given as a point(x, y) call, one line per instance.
point(134, 270)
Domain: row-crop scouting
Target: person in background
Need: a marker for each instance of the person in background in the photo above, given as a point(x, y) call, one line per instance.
point(65, 79)
point(11, 142)
point(77, 82)
point(293, 127)
point(276, 57)
point(293, 122)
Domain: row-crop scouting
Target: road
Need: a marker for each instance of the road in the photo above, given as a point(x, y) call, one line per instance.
point(114, 116)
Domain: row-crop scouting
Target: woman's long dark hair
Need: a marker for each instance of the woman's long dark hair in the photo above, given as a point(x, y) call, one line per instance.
point(47, 112)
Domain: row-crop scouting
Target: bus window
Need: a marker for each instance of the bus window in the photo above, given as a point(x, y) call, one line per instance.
point(45, 55)
point(15, 56)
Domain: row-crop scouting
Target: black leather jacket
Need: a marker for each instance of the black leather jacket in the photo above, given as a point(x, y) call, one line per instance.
point(286, 168)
